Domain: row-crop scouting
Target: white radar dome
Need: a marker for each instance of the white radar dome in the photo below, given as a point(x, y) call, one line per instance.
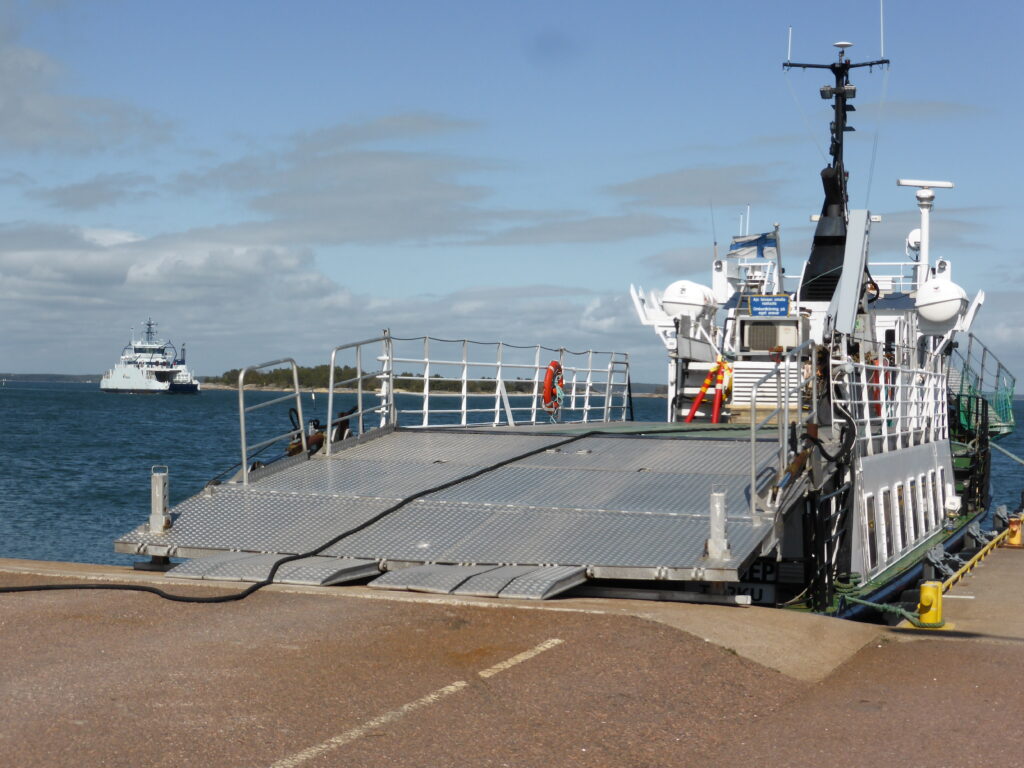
point(685, 297)
point(939, 301)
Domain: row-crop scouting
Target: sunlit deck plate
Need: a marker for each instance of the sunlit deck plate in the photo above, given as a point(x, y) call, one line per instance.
point(244, 566)
point(615, 506)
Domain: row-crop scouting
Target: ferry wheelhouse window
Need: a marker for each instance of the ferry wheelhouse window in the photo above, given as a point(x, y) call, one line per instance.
point(872, 535)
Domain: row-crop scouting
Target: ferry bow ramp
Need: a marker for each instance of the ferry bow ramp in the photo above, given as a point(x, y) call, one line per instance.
point(493, 513)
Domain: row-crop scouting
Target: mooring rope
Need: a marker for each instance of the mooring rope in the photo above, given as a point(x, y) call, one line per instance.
point(1002, 450)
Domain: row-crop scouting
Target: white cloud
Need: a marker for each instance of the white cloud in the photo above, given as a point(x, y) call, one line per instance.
point(592, 229)
point(40, 115)
point(70, 308)
point(102, 190)
point(702, 186)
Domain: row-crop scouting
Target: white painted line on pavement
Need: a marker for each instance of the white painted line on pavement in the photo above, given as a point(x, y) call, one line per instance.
point(396, 714)
point(520, 658)
point(348, 736)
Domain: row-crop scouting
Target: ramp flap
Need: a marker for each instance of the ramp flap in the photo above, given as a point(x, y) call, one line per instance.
point(526, 582)
point(246, 566)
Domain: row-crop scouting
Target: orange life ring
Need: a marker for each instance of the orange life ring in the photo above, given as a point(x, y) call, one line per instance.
point(551, 397)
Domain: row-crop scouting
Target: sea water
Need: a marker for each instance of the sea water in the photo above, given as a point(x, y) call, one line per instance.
point(75, 462)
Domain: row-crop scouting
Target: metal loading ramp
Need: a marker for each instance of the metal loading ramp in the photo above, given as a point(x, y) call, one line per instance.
point(603, 506)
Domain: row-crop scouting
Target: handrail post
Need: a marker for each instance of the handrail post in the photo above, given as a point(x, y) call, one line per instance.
point(359, 386)
point(241, 425)
point(465, 381)
point(243, 409)
point(753, 448)
point(330, 403)
point(426, 381)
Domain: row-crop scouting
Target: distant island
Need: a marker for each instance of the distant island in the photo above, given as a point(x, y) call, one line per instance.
point(318, 378)
point(65, 378)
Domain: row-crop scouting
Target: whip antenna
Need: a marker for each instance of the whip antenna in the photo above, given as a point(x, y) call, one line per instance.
point(881, 29)
point(714, 234)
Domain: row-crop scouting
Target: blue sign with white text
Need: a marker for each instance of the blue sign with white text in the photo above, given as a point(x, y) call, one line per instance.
point(769, 306)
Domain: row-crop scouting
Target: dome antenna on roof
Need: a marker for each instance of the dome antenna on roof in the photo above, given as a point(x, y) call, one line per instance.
point(842, 46)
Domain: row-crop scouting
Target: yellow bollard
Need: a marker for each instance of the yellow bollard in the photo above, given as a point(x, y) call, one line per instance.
point(929, 608)
point(1014, 537)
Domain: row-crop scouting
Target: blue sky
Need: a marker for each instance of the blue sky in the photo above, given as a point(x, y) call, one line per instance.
point(270, 179)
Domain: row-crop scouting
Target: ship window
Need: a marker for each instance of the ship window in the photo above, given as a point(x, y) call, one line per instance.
point(901, 512)
point(936, 497)
point(927, 483)
point(887, 522)
point(915, 513)
point(926, 507)
point(872, 537)
point(942, 491)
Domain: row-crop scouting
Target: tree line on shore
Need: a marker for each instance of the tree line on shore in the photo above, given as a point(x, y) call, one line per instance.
point(319, 377)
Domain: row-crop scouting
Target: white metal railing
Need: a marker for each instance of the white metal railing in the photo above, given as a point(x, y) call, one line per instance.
point(795, 387)
point(894, 406)
point(243, 409)
point(977, 371)
point(373, 386)
point(426, 381)
point(895, 276)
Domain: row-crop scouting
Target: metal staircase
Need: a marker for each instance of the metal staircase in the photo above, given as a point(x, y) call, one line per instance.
point(979, 373)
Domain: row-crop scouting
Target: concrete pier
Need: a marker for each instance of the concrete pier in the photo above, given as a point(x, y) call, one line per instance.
point(312, 676)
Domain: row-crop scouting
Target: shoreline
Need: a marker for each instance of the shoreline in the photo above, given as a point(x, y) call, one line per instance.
point(216, 386)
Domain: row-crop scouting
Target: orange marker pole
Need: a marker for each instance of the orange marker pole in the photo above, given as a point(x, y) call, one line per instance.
point(703, 391)
point(716, 407)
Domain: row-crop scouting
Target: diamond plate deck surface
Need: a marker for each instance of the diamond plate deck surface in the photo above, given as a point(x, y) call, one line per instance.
point(523, 582)
point(615, 501)
point(242, 566)
point(491, 582)
point(440, 579)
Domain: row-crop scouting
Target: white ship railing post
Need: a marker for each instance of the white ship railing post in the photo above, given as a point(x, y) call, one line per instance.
point(426, 381)
point(499, 387)
point(465, 381)
point(536, 384)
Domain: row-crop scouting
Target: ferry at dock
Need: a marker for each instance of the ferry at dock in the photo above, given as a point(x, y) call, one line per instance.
point(826, 445)
point(150, 366)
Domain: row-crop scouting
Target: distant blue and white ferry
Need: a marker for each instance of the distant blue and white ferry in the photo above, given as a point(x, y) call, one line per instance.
point(150, 366)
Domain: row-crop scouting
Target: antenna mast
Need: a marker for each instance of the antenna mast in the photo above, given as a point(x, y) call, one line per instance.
point(840, 92)
point(825, 264)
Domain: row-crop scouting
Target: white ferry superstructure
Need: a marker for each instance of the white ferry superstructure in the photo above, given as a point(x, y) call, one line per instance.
point(150, 366)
